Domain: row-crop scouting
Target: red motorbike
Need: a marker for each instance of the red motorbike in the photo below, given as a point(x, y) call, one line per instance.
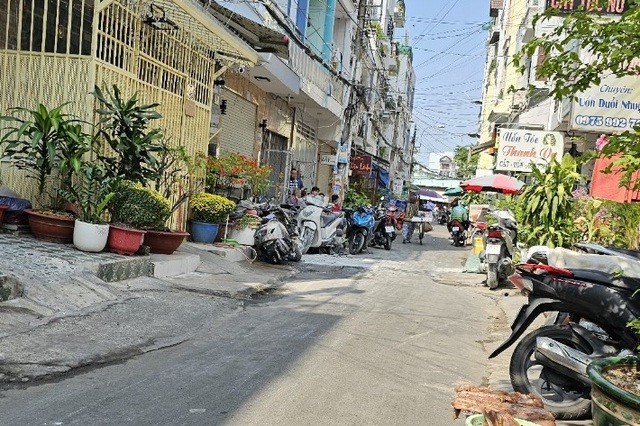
point(395, 217)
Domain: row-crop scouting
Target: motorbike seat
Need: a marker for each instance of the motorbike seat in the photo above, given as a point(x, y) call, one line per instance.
point(327, 218)
point(629, 283)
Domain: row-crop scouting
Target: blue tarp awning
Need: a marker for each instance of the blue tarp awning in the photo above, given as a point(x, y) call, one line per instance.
point(382, 174)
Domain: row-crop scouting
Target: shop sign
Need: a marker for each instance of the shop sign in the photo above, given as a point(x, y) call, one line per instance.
point(328, 160)
point(361, 165)
point(612, 106)
point(518, 148)
point(611, 7)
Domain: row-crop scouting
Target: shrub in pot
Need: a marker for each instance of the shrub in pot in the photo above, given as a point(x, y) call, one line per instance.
point(244, 229)
point(207, 211)
point(615, 393)
point(134, 208)
point(91, 192)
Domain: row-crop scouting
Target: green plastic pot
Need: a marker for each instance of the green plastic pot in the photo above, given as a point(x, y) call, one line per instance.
point(478, 420)
point(610, 405)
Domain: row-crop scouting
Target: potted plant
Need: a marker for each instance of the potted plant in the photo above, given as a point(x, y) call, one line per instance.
point(244, 229)
point(178, 180)
point(134, 208)
point(124, 127)
point(90, 192)
point(234, 172)
point(615, 394)
point(46, 143)
point(207, 211)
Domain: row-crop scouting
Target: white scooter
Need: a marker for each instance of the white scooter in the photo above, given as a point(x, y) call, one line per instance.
point(319, 227)
point(500, 247)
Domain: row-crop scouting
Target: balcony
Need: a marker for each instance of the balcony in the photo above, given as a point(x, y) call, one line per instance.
point(317, 82)
point(495, 7)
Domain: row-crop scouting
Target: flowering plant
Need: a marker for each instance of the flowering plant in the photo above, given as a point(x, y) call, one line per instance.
point(233, 169)
point(210, 208)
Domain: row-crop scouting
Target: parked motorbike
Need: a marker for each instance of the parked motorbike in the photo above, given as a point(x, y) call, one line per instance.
point(396, 217)
point(593, 294)
point(276, 239)
point(321, 228)
point(360, 229)
point(384, 232)
point(500, 246)
point(458, 233)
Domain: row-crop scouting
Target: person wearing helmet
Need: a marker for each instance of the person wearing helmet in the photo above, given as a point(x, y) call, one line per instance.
point(460, 213)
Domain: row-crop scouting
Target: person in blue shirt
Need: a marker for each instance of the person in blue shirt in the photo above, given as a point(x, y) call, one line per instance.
point(295, 183)
point(460, 213)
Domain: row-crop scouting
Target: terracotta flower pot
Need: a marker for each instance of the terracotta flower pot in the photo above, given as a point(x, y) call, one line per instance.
point(3, 207)
point(51, 227)
point(164, 242)
point(125, 241)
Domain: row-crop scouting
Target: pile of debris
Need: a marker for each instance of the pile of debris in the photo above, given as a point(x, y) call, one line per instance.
point(500, 408)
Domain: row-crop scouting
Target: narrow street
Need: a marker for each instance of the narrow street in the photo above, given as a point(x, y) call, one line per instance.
point(383, 343)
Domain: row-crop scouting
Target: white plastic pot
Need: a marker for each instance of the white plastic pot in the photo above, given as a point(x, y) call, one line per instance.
point(243, 236)
point(90, 237)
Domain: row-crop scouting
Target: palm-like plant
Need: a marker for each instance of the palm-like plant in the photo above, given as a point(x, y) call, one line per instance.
point(46, 142)
point(548, 208)
point(124, 126)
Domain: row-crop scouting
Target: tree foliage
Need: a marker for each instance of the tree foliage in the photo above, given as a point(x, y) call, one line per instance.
point(613, 47)
point(547, 203)
point(466, 166)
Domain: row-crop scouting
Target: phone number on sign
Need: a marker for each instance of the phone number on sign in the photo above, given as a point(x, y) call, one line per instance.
point(598, 120)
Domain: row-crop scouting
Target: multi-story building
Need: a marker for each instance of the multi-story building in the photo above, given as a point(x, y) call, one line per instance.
point(168, 51)
point(509, 116)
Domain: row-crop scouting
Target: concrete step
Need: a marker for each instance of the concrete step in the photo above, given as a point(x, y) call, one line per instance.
point(170, 265)
point(120, 269)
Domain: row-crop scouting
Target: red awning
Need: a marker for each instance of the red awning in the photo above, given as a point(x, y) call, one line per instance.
point(607, 186)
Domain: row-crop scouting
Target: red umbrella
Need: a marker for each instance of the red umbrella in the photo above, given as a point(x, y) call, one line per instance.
point(493, 183)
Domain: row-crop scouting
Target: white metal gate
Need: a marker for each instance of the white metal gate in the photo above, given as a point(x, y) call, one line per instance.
point(304, 155)
point(237, 125)
point(276, 154)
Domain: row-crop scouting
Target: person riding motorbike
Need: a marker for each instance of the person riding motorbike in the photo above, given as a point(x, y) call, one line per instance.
point(460, 213)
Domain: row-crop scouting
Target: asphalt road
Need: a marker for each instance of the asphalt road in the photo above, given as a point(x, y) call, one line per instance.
point(384, 342)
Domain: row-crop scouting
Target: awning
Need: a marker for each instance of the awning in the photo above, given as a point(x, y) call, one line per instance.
point(261, 38)
point(482, 147)
point(382, 175)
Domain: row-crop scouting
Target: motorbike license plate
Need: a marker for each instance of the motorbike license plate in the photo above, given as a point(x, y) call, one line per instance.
point(455, 228)
point(389, 229)
point(493, 249)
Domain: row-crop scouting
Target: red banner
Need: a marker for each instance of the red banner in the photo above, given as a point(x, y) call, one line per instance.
point(361, 165)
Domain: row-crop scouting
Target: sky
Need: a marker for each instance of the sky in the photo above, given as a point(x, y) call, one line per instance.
point(449, 53)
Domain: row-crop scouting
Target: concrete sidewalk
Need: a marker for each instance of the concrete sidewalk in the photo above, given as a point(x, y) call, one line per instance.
point(67, 309)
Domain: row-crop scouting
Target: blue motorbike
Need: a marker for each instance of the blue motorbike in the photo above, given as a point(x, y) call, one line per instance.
point(366, 228)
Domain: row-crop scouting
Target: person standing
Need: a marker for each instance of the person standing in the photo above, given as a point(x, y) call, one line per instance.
point(408, 226)
point(295, 182)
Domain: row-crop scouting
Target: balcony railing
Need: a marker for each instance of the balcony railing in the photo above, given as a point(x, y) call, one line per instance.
point(311, 72)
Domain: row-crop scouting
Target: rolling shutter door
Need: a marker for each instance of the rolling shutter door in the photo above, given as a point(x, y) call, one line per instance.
point(238, 125)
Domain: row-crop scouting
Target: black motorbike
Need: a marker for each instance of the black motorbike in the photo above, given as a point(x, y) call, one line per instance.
point(384, 232)
point(443, 217)
point(593, 307)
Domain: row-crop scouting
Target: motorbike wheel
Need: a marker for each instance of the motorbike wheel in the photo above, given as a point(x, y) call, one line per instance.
point(356, 243)
point(456, 240)
point(307, 238)
point(296, 256)
point(420, 237)
point(565, 398)
point(387, 243)
point(492, 276)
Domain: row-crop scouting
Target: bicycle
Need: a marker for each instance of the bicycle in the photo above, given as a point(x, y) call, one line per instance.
point(420, 221)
